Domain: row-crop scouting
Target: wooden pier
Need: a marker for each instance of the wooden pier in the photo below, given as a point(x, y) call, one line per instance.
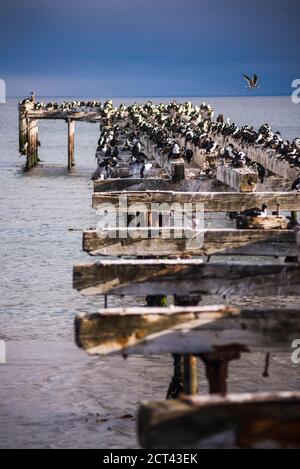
point(28, 129)
point(160, 263)
point(151, 260)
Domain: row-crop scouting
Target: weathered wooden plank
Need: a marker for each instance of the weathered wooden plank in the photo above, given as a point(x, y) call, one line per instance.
point(140, 242)
point(92, 116)
point(164, 277)
point(274, 183)
point(190, 330)
point(269, 223)
point(128, 172)
point(267, 420)
point(150, 184)
point(240, 179)
point(213, 201)
point(121, 184)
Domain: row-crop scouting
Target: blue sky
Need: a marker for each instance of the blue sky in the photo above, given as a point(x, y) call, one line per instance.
point(148, 48)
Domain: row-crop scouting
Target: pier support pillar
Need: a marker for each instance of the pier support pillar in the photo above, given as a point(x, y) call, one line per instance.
point(217, 364)
point(185, 379)
point(32, 143)
point(71, 131)
point(294, 217)
point(190, 378)
point(23, 137)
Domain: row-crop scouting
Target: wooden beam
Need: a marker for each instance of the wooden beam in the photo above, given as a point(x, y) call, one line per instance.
point(128, 172)
point(121, 184)
point(90, 116)
point(240, 179)
point(186, 330)
point(71, 131)
point(164, 277)
point(213, 201)
point(267, 158)
point(266, 420)
point(138, 242)
point(149, 184)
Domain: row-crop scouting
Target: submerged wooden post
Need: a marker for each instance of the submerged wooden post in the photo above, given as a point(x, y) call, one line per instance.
point(294, 217)
point(185, 366)
point(190, 375)
point(22, 130)
point(216, 364)
point(32, 142)
point(176, 386)
point(71, 130)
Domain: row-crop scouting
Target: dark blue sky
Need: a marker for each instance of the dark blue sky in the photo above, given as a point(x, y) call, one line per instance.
point(148, 48)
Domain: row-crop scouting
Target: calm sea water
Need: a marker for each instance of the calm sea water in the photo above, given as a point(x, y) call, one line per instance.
point(51, 393)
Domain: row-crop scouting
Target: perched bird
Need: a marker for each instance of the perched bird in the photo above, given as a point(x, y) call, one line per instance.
point(252, 82)
point(292, 224)
point(188, 155)
point(145, 167)
point(261, 171)
point(296, 184)
point(175, 151)
point(256, 212)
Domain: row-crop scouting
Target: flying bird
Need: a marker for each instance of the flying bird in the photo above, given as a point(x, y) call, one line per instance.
point(252, 82)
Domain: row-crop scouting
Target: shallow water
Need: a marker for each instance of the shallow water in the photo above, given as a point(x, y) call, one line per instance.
point(51, 393)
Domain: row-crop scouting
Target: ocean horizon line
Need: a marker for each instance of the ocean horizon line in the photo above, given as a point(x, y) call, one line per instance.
point(155, 96)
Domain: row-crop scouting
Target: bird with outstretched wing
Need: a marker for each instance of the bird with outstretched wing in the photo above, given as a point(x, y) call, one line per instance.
point(252, 82)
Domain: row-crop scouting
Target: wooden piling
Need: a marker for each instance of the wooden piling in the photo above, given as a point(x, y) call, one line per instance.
point(294, 217)
point(32, 143)
point(71, 131)
point(190, 375)
point(23, 135)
